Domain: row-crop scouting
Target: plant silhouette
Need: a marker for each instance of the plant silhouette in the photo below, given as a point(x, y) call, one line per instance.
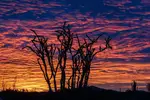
point(45, 55)
point(81, 57)
point(134, 86)
point(65, 37)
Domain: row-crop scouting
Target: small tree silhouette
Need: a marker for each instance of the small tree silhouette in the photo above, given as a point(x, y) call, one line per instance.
point(81, 57)
point(134, 85)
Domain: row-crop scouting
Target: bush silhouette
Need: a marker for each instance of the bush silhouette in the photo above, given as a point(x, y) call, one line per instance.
point(134, 86)
point(81, 57)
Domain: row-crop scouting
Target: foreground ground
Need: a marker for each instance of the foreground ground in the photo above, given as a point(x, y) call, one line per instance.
point(90, 93)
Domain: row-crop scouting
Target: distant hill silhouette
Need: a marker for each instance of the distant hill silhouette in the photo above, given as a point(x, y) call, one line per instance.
point(88, 93)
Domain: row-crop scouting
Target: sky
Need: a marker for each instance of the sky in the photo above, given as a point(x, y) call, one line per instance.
point(126, 21)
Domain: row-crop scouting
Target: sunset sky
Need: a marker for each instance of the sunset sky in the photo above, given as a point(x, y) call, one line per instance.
point(126, 21)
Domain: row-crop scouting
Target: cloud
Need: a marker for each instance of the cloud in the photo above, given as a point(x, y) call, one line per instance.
point(125, 23)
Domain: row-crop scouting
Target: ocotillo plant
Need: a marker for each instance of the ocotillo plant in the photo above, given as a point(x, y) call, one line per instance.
point(45, 54)
point(65, 37)
point(87, 53)
point(81, 57)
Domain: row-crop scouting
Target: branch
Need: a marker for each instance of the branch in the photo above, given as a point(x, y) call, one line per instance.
point(42, 69)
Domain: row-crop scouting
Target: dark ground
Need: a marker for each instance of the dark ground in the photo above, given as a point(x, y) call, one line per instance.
point(89, 93)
